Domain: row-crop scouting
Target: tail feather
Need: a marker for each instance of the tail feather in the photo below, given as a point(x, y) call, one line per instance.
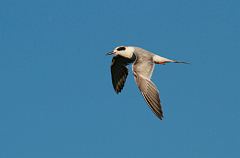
point(180, 62)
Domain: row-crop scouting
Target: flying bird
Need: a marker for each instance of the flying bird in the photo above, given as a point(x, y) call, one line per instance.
point(143, 66)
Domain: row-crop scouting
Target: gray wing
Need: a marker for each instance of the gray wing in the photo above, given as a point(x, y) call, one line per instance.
point(119, 72)
point(142, 74)
point(150, 94)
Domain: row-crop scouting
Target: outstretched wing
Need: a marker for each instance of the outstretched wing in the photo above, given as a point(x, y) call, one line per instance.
point(150, 94)
point(119, 72)
point(143, 69)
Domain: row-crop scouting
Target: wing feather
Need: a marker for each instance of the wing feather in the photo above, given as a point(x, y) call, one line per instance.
point(150, 94)
point(119, 72)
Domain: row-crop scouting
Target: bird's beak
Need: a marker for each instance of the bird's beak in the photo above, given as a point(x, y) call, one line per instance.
point(110, 53)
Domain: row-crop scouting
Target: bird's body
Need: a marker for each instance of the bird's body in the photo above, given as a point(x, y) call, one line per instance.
point(143, 66)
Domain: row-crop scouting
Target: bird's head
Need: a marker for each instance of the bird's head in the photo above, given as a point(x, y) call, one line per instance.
point(124, 51)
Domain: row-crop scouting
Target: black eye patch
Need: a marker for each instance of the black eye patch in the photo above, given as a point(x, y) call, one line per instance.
point(121, 48)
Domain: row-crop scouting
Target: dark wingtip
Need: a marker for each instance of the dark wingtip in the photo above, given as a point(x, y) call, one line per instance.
point(160, 116)
point(118, 89)
point(117, 92)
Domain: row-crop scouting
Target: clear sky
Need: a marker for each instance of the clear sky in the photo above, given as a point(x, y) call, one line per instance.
point(56, 96)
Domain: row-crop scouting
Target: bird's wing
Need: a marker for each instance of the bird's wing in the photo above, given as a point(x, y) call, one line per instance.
point(119, 72)
point(142, 73)
point(150, 94)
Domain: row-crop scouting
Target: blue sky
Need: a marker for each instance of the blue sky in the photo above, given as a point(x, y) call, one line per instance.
point(55, 86)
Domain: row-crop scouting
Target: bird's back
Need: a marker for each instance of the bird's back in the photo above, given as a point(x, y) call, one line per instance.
point(143, 64)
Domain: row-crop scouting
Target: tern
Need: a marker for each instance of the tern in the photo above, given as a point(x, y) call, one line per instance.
point(142, 67)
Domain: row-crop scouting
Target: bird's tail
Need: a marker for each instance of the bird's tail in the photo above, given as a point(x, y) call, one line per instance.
point(180, 62)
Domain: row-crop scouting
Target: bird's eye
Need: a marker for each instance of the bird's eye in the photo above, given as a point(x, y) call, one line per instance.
point(121, 48)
